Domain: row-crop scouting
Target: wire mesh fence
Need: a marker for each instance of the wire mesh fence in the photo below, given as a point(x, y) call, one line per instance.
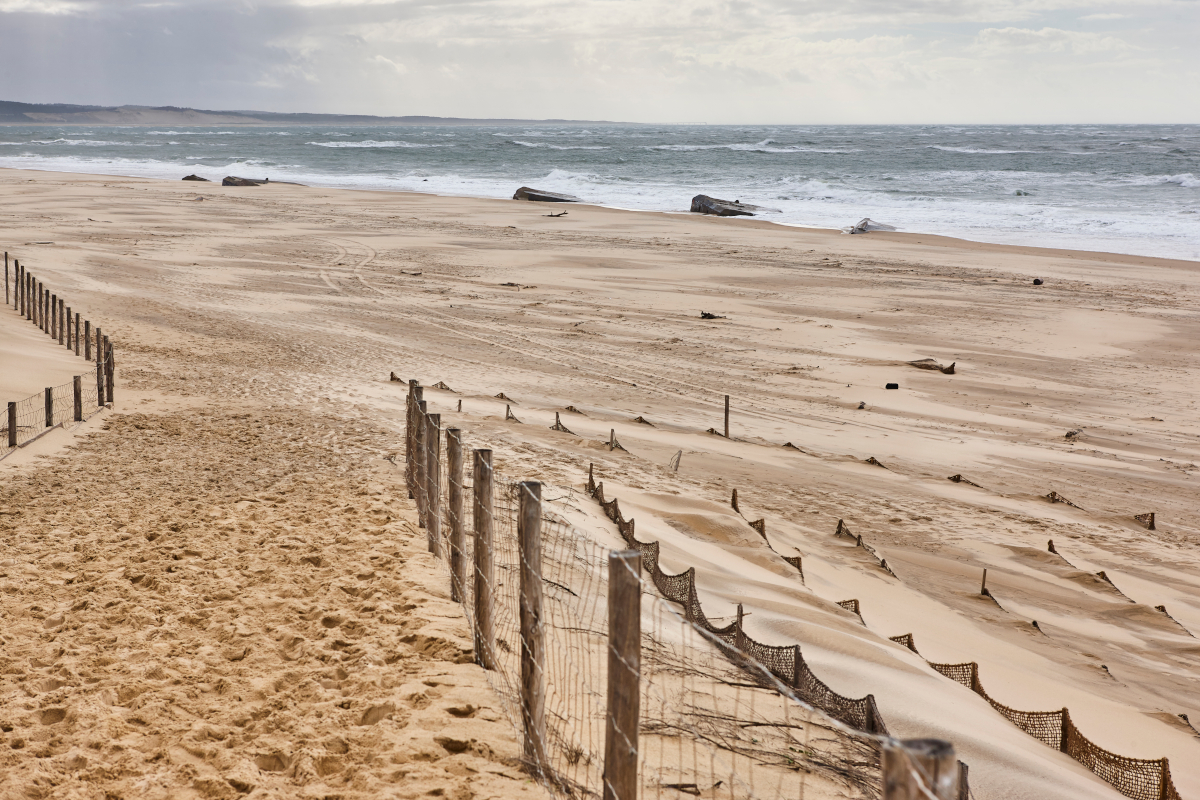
point(713, 722)
point(31, 417)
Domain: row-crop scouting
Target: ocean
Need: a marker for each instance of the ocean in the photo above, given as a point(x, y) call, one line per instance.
point(1117, 188)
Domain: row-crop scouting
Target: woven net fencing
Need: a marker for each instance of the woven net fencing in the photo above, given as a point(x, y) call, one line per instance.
point(1141, 778)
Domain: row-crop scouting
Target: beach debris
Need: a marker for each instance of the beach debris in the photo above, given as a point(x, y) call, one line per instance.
point(574, 410)
point(866, 224)
point(508, 415)
point(862, 404)
point(643, 421)
point(613, 444)
point(1071, 434)
point(1147, 520)
point(875, 462)
point(1055, 497)
point(703, 204)
point(510, 283)
point(715, 432)
point(539, 196)
point(397, 378)
point(1037, 281)
point(559, 214)
point(790, 446)
point(413, 274)
point(233, 180)
point(558, 426)
point(196, 178)
point(706, 315)
point(929, 363)
point(674, 462)
point(442, 385)
point(507, 399)
point(889, 386)
point(961, 479)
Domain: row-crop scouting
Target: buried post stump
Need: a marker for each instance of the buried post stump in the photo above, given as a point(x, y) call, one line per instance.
point(624, 667)
point(920, 769)
point(482, 514)
point(533, 647)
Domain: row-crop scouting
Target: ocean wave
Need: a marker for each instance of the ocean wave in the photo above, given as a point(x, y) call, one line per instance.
point(1187, 180)
point(974, 150)
point(91, 143)
point(372, 143)
point(758, 147)
point(559, 146)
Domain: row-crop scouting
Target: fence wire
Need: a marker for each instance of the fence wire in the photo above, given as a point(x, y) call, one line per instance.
point(32, 419)
point(713, 723)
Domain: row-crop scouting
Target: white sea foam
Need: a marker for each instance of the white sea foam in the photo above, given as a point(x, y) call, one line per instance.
point(549, 146)
point(370, 143)
point(1186, 180)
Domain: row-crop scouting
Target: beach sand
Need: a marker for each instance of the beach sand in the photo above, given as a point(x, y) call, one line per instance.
point(161, 623)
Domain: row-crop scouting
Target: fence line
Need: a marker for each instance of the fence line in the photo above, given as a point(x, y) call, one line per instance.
point(538, 596)
point(56, 406)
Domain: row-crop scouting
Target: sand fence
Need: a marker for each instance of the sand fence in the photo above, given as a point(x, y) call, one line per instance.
point(56, 406)
point(615, 693)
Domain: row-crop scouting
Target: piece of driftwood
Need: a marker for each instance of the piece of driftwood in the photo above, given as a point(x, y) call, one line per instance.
point(539, 196)
point(707, 315)
point(929, 363)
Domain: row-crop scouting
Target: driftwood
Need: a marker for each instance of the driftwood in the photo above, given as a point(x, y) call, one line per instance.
point(706, 315)
point(538, 196)
point(929, 363)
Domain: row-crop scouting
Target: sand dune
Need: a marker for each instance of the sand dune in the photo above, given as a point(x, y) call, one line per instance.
point(263, 324)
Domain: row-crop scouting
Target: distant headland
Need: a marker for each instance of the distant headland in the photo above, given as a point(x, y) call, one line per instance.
point(13, 113)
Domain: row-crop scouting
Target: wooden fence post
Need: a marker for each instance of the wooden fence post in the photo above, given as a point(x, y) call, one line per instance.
point(12, 424)
point(67, 326)
point(726, 416)
point(620, 781)
point(6, 300)
point(419, 459)
point(77, 385)
point(415, 393)
point(49, 407)
point(454, 493)
point(87, 340)
point(533, 646)
point(484, 562)
point(52, 317)
point(62, 321)
point(109, 370)
point(919, 769)
point(99, 371)
point(433, 479)
point(77, 321)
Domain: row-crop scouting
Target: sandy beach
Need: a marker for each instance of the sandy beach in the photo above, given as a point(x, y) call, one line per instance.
point(217, 588)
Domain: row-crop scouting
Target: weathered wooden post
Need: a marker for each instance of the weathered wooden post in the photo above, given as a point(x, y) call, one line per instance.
point(419, 460)
point(109, 370)
point(77, 321)
point(726, 416)
point(983, 586)
point(533, 646)
point(6, 300)
point(484, 564)
point(454, 493)
point(77, 385)
point(99, 370)
point(52, 312)
point(87, 340)
point(12, 424)
point(67, 327)
point(49, 407)
point(415, 393)
point(433, 481)
point(612, 438)
point(919, 769)
point(620, 780)
point(62, 320)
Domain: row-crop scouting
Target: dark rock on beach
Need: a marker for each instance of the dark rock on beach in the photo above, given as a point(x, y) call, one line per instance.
point(232, 180)
point(538, 196)
point(197, 178)
point(703, 204)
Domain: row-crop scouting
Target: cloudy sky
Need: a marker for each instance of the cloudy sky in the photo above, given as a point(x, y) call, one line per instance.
point(716, 61)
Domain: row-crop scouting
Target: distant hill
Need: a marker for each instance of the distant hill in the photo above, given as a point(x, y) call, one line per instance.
point(12, 113)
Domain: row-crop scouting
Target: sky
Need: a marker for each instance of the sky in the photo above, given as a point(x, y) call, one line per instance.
point(667, 61)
